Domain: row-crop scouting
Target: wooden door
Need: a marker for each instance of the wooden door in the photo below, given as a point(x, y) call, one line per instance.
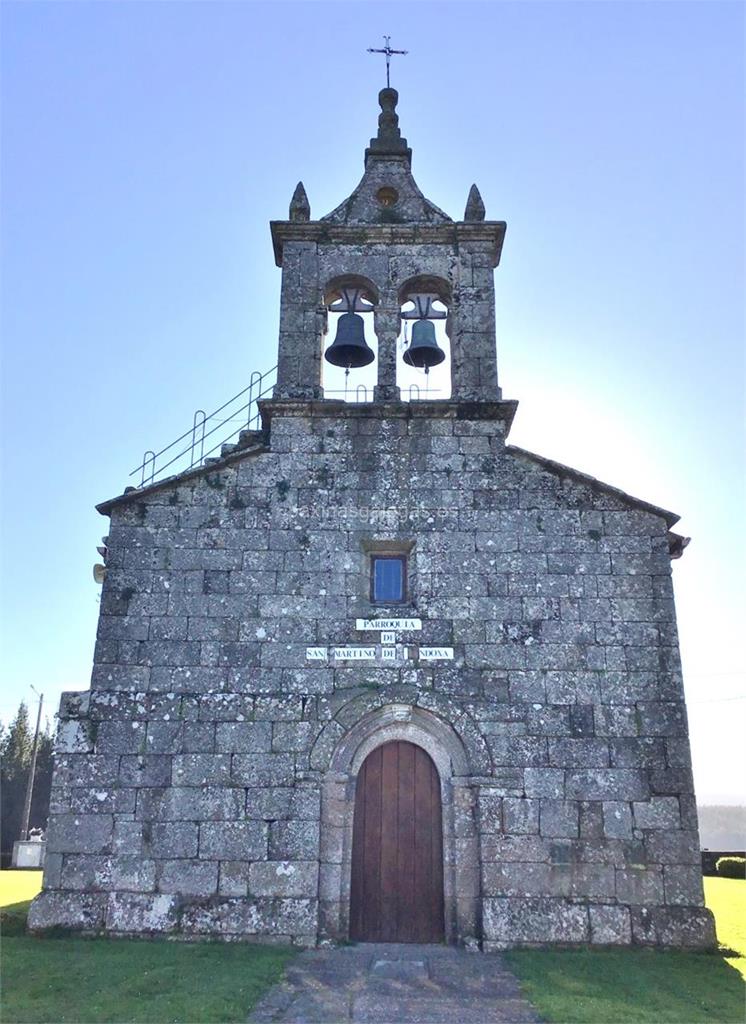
point(396, 891)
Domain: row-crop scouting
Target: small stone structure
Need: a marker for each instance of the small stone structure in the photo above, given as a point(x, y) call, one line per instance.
point(205, 786)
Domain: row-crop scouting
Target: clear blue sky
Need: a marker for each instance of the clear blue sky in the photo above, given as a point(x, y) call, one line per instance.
point(147, 145)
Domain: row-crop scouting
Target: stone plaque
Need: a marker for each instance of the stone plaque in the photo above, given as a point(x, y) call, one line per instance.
point(388, 637)
point(316, 654)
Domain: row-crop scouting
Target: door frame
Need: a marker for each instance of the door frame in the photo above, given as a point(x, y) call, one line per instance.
point(438, 738)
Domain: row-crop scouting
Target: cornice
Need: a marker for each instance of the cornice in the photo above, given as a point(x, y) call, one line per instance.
point(452, 233)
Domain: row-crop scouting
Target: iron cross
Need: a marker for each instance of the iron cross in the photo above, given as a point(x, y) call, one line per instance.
point(388, 51)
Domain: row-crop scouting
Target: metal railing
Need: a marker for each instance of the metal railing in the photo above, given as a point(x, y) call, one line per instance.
point(199, 442)
point(188, 450)
point(414, 393)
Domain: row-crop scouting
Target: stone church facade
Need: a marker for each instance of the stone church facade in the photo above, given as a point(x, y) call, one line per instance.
point(488, 747)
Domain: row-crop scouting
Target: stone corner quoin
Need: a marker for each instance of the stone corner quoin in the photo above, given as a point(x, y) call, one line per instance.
point(206, 784)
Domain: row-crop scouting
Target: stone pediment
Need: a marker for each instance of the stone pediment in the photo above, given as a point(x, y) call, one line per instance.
point(387, 194)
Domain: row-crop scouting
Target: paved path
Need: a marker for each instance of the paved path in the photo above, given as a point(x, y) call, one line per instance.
point(396, 984)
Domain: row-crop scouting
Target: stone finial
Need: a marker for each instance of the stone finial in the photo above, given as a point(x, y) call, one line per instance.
point(389, 141)
point(299, 205)
point(474, 205)
point(388, 119)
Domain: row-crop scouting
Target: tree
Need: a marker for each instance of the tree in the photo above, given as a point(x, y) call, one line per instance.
point(16, 743)
point(42, 780)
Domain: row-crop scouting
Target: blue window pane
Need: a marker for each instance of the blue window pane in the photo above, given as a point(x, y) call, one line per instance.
point(388, 579)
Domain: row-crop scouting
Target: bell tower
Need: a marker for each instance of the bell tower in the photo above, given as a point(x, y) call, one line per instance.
point(385, 248)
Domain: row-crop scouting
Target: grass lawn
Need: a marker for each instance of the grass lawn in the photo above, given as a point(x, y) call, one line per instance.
point(16, 886)
point(646, 986)
point(127, 980)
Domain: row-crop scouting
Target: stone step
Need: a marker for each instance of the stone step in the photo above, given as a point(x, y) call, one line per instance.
point(249, 437)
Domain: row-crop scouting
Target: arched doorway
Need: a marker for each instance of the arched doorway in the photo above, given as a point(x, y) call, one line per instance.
point(396, 890)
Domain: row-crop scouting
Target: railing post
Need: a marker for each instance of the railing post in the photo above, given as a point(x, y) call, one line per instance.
point(255, 379)
point(148, 457)
point(196, 424)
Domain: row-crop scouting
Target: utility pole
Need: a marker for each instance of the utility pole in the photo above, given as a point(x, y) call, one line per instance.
point(32, 772)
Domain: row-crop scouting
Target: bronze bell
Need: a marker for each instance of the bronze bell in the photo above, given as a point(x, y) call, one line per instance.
point(423, 350)
point(349, 349)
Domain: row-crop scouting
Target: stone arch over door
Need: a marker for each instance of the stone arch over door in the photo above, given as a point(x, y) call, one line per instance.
point(460, 845)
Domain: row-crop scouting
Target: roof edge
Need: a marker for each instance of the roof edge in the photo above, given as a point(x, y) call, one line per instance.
point(671, 518)
point(677, 543)
point(136, 493)
point(507, 412)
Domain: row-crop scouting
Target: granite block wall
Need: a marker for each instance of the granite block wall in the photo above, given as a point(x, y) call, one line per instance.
point(205, 783)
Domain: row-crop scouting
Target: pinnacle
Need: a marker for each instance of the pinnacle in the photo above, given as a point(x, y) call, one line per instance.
point(300, 209)
point(474, 206)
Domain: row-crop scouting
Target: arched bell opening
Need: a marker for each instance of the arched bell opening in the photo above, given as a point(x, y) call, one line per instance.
point(350, 344)
point(424, 349)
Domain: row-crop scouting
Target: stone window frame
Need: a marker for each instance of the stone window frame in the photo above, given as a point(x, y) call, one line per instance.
point(392, 547)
